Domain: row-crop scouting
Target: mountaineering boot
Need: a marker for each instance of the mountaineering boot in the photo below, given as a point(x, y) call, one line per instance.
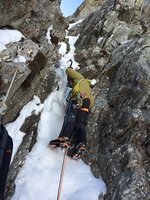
point(62, 142)
point(71, 150)
point(80, 150)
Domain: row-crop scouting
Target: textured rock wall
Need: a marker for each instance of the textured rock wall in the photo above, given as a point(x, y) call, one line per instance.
point(87, 7)
point(32, 19)
point(113, 47)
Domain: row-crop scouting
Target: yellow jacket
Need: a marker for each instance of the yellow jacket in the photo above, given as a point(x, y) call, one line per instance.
point(81, 85)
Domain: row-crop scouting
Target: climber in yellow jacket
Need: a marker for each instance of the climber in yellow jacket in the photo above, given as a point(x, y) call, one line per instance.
point(80, 85)
point(80, 102)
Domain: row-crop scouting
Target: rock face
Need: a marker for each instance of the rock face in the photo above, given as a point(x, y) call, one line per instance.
point(114, 48)
point(87, 7)
point(33, 19)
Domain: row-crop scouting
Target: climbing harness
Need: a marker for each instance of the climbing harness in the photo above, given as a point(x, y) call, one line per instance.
point(62, 173)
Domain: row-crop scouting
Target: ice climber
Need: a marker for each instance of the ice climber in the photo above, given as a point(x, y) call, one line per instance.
point(80, 102)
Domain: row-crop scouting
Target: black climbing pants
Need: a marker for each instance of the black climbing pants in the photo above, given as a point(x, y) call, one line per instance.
point(76, 120)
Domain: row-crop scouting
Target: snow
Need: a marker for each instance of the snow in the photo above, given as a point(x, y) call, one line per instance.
point(48, 34)
point(7, 36)
point(63, 48)
point(19, 58)
point(39, 177)
point(73, 24)
point(99, 39)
